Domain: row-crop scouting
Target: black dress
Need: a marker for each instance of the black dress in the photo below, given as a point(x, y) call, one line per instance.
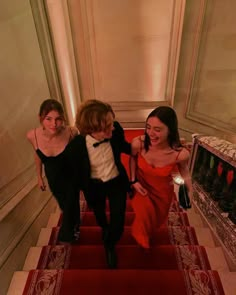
point(65, 193)
point(56, 175)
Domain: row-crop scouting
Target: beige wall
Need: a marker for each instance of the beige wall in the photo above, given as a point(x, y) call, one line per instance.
point(23, 86)
point(205, 93)
point(129, 47)
point(125, 52)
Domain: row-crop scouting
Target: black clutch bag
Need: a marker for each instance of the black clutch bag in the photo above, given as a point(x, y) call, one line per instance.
point(184, 201)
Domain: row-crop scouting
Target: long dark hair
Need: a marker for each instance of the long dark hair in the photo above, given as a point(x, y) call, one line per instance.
point(168, 117)
point(49, 105)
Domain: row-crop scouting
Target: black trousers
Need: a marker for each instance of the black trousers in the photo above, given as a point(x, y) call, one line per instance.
point(69, 202)
point(114, 191)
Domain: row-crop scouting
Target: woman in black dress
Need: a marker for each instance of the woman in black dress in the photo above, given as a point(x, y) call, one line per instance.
point(49, 141)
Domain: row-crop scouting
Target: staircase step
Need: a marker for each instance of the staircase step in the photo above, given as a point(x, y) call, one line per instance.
point(217, 259)
point(194, 218)
point(134, 282)
point(173, 208)
point(32, 258)
point(44, 236)
point(55, 218)
point(91, 235)
point(129, 257)
point(215, 255)
point(204, 236)
point(180, 235)
point(175, 219)
point(228, 280)
point(18, 283)
point(163, 236)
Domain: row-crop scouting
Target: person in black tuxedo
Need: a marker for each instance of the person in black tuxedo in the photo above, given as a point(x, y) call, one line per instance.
point(94, 157)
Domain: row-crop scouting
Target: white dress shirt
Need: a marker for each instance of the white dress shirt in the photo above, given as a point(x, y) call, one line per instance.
point(101, 160)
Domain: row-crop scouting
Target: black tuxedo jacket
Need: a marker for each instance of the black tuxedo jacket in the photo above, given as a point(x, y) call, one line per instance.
point(78, 160)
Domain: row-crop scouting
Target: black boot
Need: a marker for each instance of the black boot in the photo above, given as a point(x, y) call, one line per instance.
point(111, 257)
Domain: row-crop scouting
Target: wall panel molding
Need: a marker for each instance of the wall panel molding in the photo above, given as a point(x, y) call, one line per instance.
point(60, 27)
point(129, 112)
point(211, 88)
point(10, 203)
point(127, 53)
point(175, 44)
point(20, 219)
point(77, 11)
point(11, 191)
point(46, 47)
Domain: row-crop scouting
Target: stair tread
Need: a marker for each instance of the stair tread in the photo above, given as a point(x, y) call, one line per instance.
point(204, 236)
point(217, 259)
point(135, 281)
point(228, 280)
point(174, 218)
point(182, 235)
point(44, 236)
point(194, 218)
point(206, 257)
point(176, 235)
point(19, 278)
point(18, 282)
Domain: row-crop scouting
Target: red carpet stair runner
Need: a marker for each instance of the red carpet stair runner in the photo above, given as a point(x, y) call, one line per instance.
point(175, 264)
point(180, 261)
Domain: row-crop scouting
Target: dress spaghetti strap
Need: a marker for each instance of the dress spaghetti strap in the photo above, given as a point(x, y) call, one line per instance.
point(178, 155)
point(36, 141)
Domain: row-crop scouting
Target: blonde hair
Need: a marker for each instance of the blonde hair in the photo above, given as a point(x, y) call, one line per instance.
point(91, 116)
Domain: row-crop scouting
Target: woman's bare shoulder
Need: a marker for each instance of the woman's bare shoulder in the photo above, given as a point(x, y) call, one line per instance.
point(31, 136)
point(183, 155)
point(73, 130)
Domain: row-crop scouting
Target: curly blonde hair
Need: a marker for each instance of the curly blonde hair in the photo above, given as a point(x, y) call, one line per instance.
point(91, 116)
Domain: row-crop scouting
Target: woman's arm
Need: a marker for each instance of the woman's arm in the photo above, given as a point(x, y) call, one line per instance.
point(135, 149)
point(39, 169)
point(184, 170)
point(38, 163)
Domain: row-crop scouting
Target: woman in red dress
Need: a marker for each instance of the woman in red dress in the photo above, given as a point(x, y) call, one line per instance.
point(155, 157)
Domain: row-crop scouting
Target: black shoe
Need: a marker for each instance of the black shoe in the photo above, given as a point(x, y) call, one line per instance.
point(76, 233)
point(105, 235)
point(111, 257)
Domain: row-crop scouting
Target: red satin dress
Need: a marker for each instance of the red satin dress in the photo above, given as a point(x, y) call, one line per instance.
point(151, 211)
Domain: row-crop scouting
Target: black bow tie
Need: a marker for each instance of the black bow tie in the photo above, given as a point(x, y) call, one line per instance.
point(96, 144)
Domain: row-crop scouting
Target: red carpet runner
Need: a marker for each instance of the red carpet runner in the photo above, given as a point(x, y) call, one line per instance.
point(175, 264)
